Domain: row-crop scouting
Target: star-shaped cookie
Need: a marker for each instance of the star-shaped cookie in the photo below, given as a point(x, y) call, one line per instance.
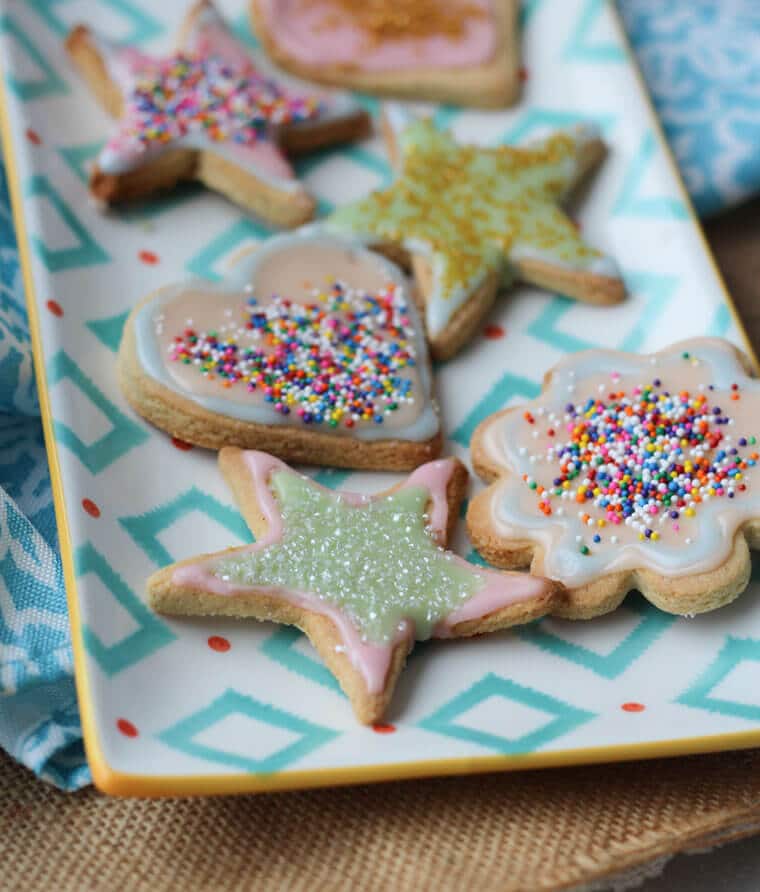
point(362, 576)
point(471, 219)
point(628, 472)
point(205, 112)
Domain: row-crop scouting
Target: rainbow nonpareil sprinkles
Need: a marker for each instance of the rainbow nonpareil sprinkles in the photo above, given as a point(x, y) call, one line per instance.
point(186, 96)
point(644, 457)
point(335, 360)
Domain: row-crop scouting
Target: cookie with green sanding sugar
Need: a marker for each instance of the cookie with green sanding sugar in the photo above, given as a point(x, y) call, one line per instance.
point(363, 576)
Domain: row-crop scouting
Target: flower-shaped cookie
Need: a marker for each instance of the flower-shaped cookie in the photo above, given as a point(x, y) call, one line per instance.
point(206, 112)
point(363, 576)
point(628, 472)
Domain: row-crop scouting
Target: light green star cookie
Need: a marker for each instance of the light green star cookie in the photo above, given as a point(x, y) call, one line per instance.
point(364, 577)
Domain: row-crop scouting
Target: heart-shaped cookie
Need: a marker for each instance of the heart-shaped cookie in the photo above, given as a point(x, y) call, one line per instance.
point(312, 350)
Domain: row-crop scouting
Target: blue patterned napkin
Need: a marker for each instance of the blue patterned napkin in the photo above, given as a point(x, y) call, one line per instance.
point(702, 61)
point(39, 720)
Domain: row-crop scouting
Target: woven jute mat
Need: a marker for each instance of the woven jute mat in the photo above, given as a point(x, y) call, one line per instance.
point(557, 829)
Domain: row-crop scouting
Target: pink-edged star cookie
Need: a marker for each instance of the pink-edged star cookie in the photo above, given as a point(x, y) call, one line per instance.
point(362, 576)
point(206, 112)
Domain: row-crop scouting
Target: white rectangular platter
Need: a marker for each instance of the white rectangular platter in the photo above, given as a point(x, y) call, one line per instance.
point(164, 711)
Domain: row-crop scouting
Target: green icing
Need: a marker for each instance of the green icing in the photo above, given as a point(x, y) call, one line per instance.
point(472, 206)
point(376, 562)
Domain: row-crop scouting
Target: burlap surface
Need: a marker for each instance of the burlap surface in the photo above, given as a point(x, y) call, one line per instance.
point(554, 829)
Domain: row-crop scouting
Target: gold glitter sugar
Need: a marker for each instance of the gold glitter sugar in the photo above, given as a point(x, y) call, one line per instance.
point(384, 20)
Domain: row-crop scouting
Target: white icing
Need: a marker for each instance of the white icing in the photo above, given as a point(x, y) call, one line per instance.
point(712, 529)
point(153, 360)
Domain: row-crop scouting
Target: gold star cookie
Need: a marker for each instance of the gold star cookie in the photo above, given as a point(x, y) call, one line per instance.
point(471, 219)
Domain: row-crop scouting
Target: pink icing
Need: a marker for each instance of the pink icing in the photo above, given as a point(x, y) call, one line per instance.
point(209, 37)
point(372, 660)
point(299, 31)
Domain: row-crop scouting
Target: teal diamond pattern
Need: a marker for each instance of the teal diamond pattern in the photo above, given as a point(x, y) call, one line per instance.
point(539, 120)
point(280, 648)
point(332, 478)
point(202, 264)
point(87, 253)
point(498, 396)
point(582, 46)
point(49, 84)
point(241, 27)
point(563, 717)
point(656, 289)
point(79, 157)
point(151, 635)
point(182, 735)
point(108, 329)
point(474, 557)
point(143, 27)
point(146, 528)
point(124, 434)
point(721, 321)
point(734, 652)
point(652, 624)
point(631, 203)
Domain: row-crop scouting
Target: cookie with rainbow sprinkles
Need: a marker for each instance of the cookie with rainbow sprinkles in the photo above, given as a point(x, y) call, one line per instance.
point(207, 112)
point(628, 472)
point(312, 349)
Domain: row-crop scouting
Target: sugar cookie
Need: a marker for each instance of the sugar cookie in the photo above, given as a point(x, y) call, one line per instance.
point(206, 113)
point(471, 219)
point(628, 472)
point(460, 51)
point(312, 350)
point(363, 577)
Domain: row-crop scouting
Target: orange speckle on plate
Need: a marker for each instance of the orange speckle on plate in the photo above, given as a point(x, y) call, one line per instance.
point(55, 308)
point(148, 257)
point(180, 444)
point(633, 707)
point(382, 728)
point(219, 644)
point(494, 332)
point(127, 728)
point(33, 137)
point(522, 73)
point(91, 508)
